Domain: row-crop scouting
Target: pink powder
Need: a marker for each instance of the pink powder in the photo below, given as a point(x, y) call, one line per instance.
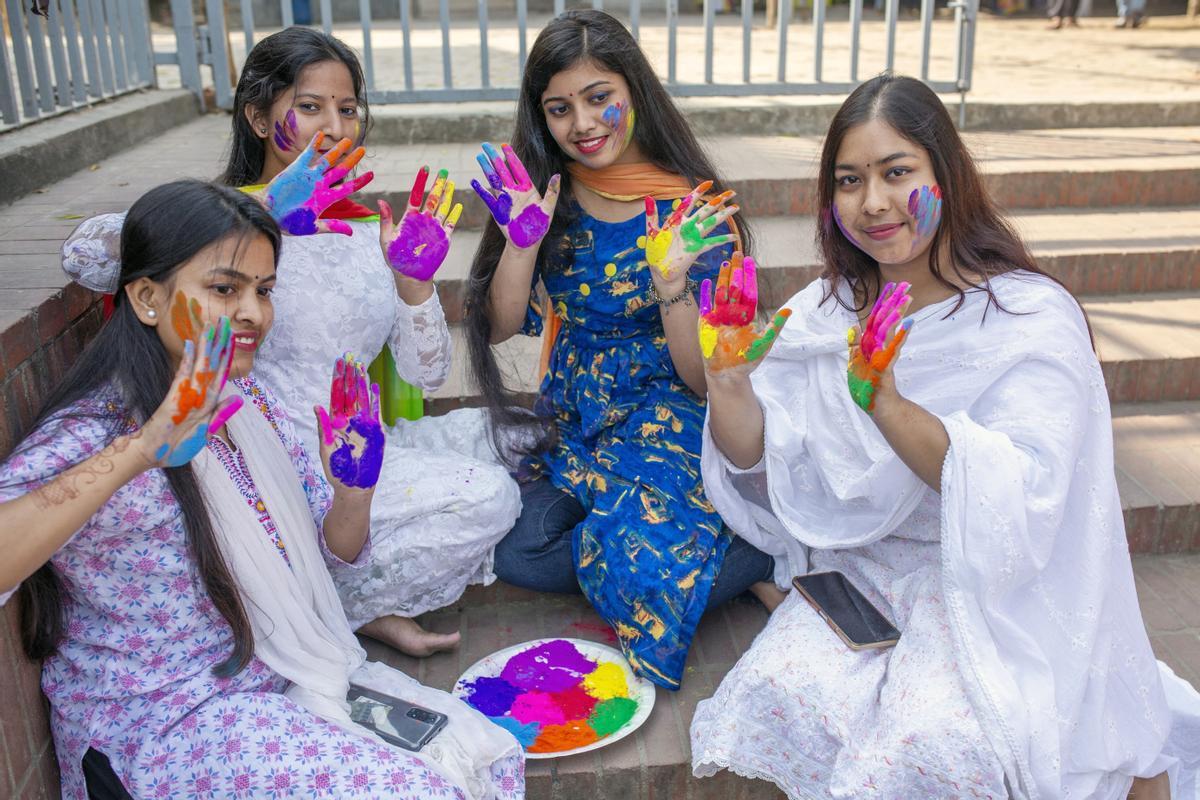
point(537, 707)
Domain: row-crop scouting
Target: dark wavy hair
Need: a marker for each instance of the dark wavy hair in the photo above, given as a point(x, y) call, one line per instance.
point(271, 68)
point(979, 240)
point(163, 229)
point(662, 135)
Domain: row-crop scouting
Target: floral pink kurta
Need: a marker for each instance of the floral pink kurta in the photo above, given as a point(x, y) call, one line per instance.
point(133, 676)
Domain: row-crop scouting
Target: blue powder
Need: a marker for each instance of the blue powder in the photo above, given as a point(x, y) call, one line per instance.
point(525, 734)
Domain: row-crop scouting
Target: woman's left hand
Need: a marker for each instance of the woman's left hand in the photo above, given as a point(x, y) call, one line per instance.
point(875, 345)
point(298, 195)
point(684, 236)
point(730, 343)
point(352, 439)
point(418, 246)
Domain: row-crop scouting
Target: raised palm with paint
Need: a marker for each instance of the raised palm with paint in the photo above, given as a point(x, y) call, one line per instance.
point(352, 437)
point(298, 195)
point(418, 246)
point(672, 248)
point(874, 348)
point(522, 214)
point(728, 337)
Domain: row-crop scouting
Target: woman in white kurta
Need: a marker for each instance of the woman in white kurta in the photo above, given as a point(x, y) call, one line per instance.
point(966, 488)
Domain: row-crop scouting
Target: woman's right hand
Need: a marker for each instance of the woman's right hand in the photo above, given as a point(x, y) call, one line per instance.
point(179, 429)
point(875, 346)
point(298, 195)
point(729, 341)
point(522, 214)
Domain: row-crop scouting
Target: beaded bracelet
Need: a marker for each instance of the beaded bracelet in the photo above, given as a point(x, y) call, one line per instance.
point(689, 287)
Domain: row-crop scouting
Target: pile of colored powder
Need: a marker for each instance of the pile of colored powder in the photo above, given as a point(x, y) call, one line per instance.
point(553, 698)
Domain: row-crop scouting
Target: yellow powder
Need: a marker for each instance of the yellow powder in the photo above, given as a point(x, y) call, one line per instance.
point(708, 339)
point(606, 682)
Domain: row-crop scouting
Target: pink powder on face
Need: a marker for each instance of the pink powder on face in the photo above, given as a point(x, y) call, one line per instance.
point(549, 667)
point(537, 707)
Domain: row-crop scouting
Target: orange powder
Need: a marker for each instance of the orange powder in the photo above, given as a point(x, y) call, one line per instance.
point(555, 738)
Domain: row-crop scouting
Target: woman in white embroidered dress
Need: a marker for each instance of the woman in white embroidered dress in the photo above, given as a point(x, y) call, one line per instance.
point(963, 483)
point(169, 549)
point(443, 501)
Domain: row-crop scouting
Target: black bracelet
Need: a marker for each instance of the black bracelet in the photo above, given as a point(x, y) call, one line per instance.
point(689, 287)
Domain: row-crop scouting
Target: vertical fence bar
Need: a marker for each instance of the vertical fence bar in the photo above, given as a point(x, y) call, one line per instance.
point(143, 46)
point(184, 24)
point(709, 20)
point(484, 70)
point(102, 47)
point(78, 78)
point(855, 31)
point(891, 8)
point(926, 36)
point(327, 17)
point(785, 13)
point(406, 33)
point(635, 18)
point(672, 20)
point(8, 91)
point(364, 12)
point(522, 24)
point(41, 63)
point(112, 12)
point(95, 88)
point(286, 13)
point(16, 24)
point(818, 38)
point(966, 14)
point(62, 78)
point(129, 49)
point(444, 15)
point(559, 7)
point(747, 26)
point(220, 55)
point(248, 24)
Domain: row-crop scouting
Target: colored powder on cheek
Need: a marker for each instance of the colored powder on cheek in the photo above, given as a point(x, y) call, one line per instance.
point(925, 207)
point(555, 738)
point(606, 682)
point(492, 697)
point(550, 667)
point(526, 734)
point(838, 219)
point(575, 703)
point(537, 707)
point(611, 715)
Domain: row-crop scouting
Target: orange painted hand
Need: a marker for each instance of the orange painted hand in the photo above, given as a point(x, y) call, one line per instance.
point(684, 236)
point(875, 346)
point(728, 338)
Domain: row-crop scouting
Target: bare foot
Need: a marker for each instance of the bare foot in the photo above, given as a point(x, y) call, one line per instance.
point(1156, 788)
point(769, 594)
point(407, 636)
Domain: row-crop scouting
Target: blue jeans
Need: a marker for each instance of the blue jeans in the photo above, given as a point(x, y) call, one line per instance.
point(536, 553)
point(1127, 7)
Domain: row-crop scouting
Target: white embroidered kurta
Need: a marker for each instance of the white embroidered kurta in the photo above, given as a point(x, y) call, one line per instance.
point(1023, 654)
point(443, 500)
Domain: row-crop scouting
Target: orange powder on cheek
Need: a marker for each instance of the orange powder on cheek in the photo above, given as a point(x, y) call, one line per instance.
point(555, 738)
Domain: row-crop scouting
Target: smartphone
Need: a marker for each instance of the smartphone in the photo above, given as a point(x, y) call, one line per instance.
point(851, 615)
point(394, 720)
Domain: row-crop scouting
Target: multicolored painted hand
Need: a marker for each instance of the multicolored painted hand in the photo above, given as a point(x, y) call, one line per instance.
point(728, 338)
point(179, 429)
point(522, 214)
point(873, 350)
point(422, 241)
point(673, 248)
point(352, 438)
point(299, 195)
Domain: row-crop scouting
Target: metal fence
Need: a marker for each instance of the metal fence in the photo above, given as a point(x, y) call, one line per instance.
point(637, 16)
point(84, 51)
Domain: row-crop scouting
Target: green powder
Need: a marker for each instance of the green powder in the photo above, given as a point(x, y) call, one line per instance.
point(611, 715)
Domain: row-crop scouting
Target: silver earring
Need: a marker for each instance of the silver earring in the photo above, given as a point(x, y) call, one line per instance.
point(151, 313)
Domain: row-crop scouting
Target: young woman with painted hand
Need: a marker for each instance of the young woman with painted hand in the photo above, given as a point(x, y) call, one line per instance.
point(444, 501)
point(956, 464)
point(169, 550)
point(612, 498)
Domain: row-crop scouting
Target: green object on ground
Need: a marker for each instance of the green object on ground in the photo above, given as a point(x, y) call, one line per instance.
point(397, 399)
point(611, 715)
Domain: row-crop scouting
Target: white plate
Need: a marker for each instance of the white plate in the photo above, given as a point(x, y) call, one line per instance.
point(640, 689)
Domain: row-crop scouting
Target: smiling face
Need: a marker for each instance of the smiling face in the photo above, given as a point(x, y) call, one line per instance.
point(590, 116)
point(322, 99)
point(233, 277)
point(886, 200)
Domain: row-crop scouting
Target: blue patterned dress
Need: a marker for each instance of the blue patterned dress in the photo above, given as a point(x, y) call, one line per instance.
point(629, 430)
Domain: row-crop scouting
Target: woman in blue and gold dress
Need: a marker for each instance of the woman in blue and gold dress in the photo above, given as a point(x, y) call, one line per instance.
point(613, 501)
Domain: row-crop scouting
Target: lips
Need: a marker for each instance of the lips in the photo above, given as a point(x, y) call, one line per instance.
point(246, 340)
point(881, 232)
point(589, 146)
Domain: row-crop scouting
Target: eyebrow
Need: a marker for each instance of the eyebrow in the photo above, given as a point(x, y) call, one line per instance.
point(584, 90)
point(229, 272)
point(315, 96)
point(888, 160)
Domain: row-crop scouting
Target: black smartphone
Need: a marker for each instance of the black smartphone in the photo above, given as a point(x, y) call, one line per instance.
point(851, 615)
point(394, 720)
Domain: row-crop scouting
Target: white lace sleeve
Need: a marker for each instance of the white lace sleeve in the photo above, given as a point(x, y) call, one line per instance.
point(420, 342)
point(91, 255)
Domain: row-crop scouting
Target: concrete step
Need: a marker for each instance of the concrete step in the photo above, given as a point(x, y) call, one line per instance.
point(1092, 252)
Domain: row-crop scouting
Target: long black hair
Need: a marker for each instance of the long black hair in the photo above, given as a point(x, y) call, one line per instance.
point(662, 134)
point(272, 67)
point(981, 241)
point(163, 229)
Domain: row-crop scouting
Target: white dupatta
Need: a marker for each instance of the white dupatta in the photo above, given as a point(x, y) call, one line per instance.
point(1035, 565)
point(300, 630)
